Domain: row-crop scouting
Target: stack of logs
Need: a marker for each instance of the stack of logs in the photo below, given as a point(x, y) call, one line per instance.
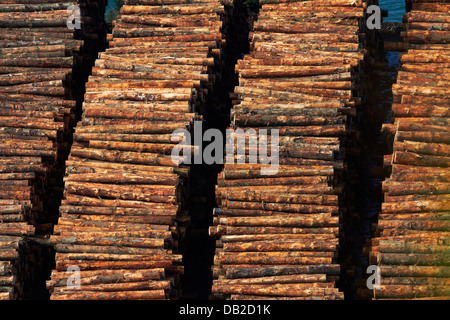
point(123, 213)
point(37, 54)
point(279, 234)
point(412, 237)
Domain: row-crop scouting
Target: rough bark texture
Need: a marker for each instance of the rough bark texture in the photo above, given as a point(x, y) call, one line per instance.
point(276, 230)
point(412, 235)
point(42, 65)
point(123, 216)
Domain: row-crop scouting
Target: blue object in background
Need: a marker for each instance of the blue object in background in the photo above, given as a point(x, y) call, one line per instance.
point(396, 9)
point(111, 4)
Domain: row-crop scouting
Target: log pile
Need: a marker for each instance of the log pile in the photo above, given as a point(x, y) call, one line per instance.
point(12, 230)
point(412, 237)
point(278, 234)
point(123, 214)
point(37, 55)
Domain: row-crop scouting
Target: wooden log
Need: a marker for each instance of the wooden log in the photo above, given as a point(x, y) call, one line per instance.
point(138, 192)
point(184, 10)
point(118, 287)
point(402, 291)
point(116, 257)
point(415, 271)
point(430, 137)
point(273, 181)
point(152, 220)
point(282, 207)
point(415, 206)
point(403, 246)
point(5, 296)
point(435, 149)
point(295, 245)
point(126, 157)
point(338, 296)
point(421, 160)
point(413, 259)
point(107, 240)
point(102, 167)
point(125, 178)
point(251, 172)
point(416, 188)
point(275, 258)
point(163, 210)
point(133, 295)
point(285, 198)
point(5, 268)
point(415, 281)
point(62, 265)
point(296, 278)
point(298, 221)
point(276, 290)
point(112, 203)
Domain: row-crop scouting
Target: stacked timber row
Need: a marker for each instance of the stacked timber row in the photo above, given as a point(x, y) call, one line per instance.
point(279, 233)
point(11, 262)
point(123, 215)
point(411, 247)
point(37, 55)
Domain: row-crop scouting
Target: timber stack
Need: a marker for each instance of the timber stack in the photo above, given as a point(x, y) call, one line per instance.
point(278, 233)
point(37, 55)
point(412, 237)
point(123, 214)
